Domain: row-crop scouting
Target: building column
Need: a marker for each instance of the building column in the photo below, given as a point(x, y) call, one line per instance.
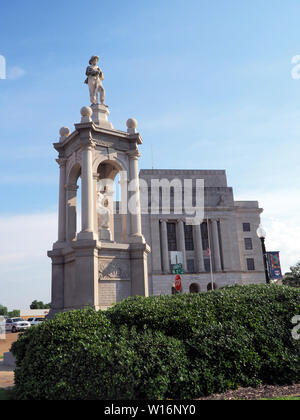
point(87, 199)
point(135, 201)
point(62, 201)
point(164, 247)
point(216, 246)
point(198, 249)
point(181, 243)
point(71, 211)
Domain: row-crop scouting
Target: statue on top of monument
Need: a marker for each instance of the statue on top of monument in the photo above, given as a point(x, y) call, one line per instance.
point(94, 81)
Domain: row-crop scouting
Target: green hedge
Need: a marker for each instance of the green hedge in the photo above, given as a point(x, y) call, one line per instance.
point(181, 346)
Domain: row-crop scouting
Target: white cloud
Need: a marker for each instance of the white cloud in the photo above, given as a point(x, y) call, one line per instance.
point(281, 221)
point(25, 269)
point(15, 73)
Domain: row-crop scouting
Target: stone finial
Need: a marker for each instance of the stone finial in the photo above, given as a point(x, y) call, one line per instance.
point(64, 133)
point(131, 125)
point(86, 114)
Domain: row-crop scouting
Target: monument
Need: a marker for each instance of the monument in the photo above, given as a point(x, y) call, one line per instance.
point(91, 268)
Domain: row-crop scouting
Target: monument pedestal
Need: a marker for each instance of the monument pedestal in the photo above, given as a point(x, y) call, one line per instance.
point(97, 274)
point(100, 116)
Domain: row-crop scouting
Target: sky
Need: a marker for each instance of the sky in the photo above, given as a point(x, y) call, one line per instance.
point(210, 83)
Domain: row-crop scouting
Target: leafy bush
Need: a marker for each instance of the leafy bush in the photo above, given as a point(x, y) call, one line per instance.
point(80, 355)
point(181, 346)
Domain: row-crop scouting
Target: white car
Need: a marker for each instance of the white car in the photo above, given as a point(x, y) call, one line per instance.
point(36, 321)
point(16, 324)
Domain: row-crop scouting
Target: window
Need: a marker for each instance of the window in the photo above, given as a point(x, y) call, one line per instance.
point(248, 244)
point(204, 233)
point(188, 234)
point(191, 266)
point(207, 265)
point(246, 227)
point(250, 264)
point(172, 242)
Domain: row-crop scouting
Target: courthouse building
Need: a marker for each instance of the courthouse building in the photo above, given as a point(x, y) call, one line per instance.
point(222, 250)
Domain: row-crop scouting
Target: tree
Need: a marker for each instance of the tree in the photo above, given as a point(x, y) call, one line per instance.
point(292, 279)
point(3, 310)
point(14, 314)
point(39, 305)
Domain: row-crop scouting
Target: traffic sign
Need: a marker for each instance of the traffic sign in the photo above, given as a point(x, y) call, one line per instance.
point(178, 284)
point(177, 269)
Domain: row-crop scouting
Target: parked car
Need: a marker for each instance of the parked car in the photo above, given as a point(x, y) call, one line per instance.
point(16, 324)
point(35, 321)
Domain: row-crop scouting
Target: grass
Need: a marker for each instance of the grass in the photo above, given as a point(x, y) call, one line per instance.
point(282, 399)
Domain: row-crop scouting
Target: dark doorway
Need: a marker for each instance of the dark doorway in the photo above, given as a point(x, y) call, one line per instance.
point(195, 288)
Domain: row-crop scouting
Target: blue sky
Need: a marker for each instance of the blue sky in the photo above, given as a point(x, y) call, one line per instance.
point(208, 81)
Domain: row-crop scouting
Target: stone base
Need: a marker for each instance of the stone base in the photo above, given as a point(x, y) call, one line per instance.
point(100, 116)
point(97, 274)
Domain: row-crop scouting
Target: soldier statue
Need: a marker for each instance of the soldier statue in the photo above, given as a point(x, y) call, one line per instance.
point(94, 81)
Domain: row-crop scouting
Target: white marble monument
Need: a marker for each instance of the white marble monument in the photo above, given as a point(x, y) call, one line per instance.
point(90, 267)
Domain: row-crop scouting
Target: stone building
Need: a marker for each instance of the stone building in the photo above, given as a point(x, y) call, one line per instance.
point(224, 249)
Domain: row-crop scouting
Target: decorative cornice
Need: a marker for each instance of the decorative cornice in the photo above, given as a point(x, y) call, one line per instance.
point(62, 162)
point(88, 144)
point(133, 154)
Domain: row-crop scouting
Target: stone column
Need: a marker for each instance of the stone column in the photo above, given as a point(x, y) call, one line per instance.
point(216, 245)
point(96, 225)
point(181, 243)
point(198, 249)
point(134, 200)
point(71, 211)
point(87, 199)
point(124, 205)
point(62, 201)
point(164, 247)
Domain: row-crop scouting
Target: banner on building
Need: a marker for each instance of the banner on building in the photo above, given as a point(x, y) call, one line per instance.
point(274, 266)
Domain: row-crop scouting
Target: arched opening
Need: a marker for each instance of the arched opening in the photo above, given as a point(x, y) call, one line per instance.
point(109, 191)
point(212, 286)
point(72, 204)
point(78, 209)
point(195, 288)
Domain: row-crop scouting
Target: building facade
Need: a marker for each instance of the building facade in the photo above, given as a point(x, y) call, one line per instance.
point(223, 249)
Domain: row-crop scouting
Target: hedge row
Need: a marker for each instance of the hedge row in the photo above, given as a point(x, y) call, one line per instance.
point(177, 347)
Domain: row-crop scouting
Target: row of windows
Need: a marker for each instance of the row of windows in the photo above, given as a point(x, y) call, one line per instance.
point(191, 265)
point(189, 239)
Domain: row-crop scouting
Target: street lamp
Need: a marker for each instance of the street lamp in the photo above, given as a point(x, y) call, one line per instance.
point(261, 233)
